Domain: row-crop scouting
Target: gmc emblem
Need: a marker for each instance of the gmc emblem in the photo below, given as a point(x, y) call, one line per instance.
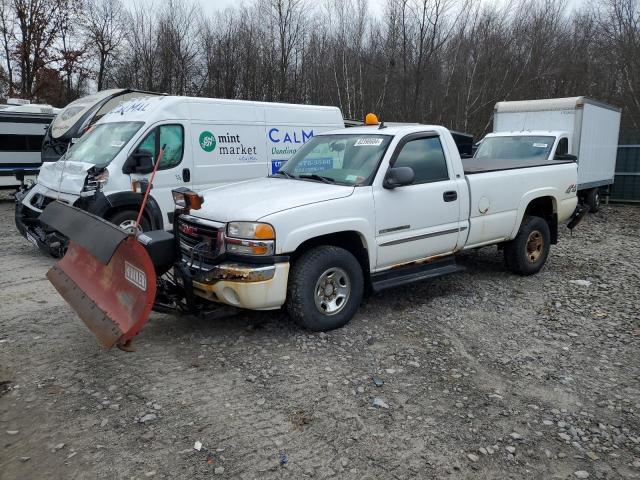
point(188, 229)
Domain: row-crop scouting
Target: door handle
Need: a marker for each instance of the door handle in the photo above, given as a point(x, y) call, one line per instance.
point(450, 196)
point(186, 175)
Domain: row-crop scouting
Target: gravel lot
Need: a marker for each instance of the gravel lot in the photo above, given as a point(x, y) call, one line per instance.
point(484, 375)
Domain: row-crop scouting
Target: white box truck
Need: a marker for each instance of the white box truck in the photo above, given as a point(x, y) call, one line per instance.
point(208, 142)
point(559, 128)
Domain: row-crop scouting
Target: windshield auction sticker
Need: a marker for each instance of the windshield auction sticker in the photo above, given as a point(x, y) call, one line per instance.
point(368, 142)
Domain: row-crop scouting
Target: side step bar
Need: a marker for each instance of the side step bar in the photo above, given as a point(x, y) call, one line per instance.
point(414, 273)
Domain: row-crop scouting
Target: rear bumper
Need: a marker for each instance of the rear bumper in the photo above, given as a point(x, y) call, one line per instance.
point(243, 285)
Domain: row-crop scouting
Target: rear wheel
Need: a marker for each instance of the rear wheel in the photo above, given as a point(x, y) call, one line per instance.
point(527, 253)
point(325, 288)
point(593, 200)
point(126, 219)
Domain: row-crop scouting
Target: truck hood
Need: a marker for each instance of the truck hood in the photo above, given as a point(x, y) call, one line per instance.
point(254, 199)
point(64, 176)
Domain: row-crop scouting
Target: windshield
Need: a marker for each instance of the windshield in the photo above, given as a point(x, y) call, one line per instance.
point(516, 147)
point(101, 144)
point(343, 159)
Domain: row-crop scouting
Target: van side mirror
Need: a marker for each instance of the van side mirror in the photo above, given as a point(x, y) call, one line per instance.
point(141, 161)
point(398, 176)
point(566, 157)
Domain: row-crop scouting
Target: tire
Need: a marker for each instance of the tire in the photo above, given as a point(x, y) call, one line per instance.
point(593, 200)
point(527, 253)
point(126, 218)
point(322, 310)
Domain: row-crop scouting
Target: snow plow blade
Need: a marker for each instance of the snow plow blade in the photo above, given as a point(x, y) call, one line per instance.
point(106, 275)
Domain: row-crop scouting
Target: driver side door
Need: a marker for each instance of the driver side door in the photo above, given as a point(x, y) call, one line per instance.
point(422, 219)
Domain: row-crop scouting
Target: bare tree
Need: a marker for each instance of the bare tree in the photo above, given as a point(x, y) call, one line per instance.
point(103, 20)
point(38, 27)
point(7, 23)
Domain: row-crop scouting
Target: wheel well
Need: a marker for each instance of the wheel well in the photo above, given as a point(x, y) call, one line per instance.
point(349, 240)
point(545, 207)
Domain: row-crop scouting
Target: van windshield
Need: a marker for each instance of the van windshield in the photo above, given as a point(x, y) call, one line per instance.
point(102, 143)
point(342, 159)
point(521, 147)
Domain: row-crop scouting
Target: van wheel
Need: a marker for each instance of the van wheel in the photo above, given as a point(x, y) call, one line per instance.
point(325, 288)
point(126, 219)
point(527, 253)
point(593, 200)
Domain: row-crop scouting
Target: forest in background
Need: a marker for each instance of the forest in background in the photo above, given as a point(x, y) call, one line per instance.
point(429, 61)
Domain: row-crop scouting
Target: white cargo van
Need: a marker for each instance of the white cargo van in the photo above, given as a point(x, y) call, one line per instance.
point(208, 143)
point(559, 128)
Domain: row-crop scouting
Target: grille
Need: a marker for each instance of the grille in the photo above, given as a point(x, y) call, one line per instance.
point(198, 241)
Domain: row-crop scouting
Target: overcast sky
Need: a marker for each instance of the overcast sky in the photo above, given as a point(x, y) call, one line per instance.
point(375, 6)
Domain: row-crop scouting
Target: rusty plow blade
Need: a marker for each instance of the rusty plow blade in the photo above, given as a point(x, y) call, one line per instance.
point(106, 275)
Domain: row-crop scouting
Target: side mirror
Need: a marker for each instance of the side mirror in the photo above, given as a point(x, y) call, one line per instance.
point(566, 157)
point(398, 176)
point(140, 161)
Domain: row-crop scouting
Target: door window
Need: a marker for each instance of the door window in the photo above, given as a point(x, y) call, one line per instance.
point(426, 157)
point(563, 146)
point(170, 135)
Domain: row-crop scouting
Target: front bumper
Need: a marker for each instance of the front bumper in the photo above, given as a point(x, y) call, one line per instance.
point(243, 285)
point(27, 215)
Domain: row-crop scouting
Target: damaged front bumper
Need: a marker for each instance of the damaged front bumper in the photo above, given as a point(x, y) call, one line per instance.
point(242, 285)
point(30, 203)
point(27, 218)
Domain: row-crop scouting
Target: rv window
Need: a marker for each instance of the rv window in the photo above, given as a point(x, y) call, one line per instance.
point(170, 135)
point(20, 143)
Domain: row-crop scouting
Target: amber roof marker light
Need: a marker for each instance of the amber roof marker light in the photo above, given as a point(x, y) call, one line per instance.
point(371, 119)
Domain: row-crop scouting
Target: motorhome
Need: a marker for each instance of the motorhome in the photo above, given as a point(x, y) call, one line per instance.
point(22, 129)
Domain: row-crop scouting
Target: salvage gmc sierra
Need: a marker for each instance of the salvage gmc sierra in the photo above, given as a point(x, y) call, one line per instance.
point(354, 210)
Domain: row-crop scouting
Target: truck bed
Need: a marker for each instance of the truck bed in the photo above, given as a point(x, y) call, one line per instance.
point(474, 165)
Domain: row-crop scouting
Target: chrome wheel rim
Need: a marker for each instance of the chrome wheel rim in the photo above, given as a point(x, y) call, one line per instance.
point(332, 291)
point(535, 246)
point(129, 226)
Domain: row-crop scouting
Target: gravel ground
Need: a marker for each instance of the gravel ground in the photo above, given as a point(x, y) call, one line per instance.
point(480, 375)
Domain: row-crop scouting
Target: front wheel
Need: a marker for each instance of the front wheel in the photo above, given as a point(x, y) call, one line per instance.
point(126, 220)
point(325, 288)
point(527, 253)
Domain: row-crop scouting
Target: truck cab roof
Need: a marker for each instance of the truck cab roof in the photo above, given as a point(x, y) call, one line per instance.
point(532, 133)
point(390, 129)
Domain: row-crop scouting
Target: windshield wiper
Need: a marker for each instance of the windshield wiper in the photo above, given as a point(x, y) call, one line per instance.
point(281, 172)
point(315, 176)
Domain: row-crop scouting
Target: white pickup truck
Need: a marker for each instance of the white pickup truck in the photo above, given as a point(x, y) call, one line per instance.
point(364, 208)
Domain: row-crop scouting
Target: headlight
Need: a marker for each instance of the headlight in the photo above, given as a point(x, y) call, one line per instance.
point(95, 180)
point(102, 177)
point(250, 238)
point(251, 230)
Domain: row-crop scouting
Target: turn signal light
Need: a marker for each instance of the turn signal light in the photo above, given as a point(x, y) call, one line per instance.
point(187, 199)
